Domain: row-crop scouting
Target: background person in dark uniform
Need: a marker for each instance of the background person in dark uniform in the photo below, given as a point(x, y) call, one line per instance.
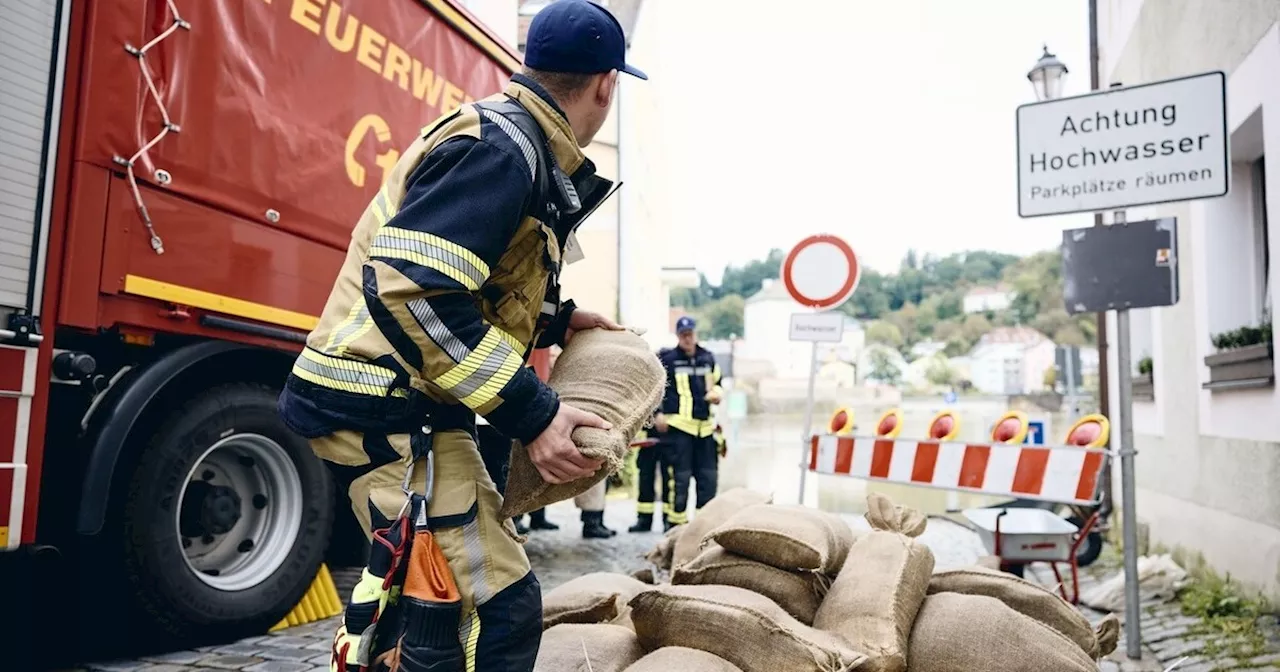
point(647, 460)
point(689, 449)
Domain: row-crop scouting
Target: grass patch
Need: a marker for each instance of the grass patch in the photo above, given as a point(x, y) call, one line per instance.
point(1228, 617)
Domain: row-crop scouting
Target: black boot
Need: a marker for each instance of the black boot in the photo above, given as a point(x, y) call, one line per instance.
point(644, 523)
point(667, 525)
point(520, 528)
point(538, 521)
point(593, 526)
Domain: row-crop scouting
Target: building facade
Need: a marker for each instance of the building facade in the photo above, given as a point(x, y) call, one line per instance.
point(1209, 450)
point(629, 269)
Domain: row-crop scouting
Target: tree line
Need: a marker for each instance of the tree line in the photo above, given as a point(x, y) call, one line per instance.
point(922, 301)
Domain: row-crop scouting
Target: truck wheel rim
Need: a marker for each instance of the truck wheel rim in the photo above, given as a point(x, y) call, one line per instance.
point(239, 512)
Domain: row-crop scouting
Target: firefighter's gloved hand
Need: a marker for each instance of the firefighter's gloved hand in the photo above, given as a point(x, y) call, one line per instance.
point(660, 422)
point(554, 454)
point(713, 397)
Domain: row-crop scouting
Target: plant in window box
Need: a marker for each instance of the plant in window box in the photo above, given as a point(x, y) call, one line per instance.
point(1244, 358)
point(1144, 388)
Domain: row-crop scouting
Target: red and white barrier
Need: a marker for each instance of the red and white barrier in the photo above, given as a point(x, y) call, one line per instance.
point(1064, 474)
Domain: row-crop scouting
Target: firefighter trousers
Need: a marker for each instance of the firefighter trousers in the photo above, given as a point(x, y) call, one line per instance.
point(647, 460)
point(687, 456)
point(501, 599)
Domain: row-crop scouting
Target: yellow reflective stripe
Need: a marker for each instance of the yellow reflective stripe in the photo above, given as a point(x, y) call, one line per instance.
point(383, 211)
point(482, 374)
point(698, 428)
point(431, 251)
point(357, 323)
point(343, 374)
point(473, 637)
point(686, 397)
point(511, 341)
point(644, 507)
point(678, 517)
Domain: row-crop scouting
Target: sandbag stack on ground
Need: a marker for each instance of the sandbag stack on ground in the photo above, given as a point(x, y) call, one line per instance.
point(599, 597)
point(786, 553)
point(572, 647)
point(612, 374)
point(1029, 600)
point(875, 597)
point(798, 593)
point(663, 554)
point(955, 632)
point(681, 659)
point(747, 629)
point(689, 542)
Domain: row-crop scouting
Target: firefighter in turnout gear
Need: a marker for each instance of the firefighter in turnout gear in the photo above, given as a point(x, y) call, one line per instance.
point(688, 426)
point(450, 280)
point(647, 470)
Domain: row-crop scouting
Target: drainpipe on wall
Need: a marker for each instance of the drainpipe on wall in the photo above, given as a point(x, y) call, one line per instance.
point(1104, 382)
point(622, 214)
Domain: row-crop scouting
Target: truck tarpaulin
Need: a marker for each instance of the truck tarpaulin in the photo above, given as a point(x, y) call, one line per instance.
point(295, 107)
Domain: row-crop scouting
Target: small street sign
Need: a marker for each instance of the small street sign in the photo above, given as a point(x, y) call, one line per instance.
point(817, 327)
point(821, 272)
point(1035, 433)
point(1138, 145)
point(1119, 267)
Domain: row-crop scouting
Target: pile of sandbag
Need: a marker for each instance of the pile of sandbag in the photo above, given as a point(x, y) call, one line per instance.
point(762, 587)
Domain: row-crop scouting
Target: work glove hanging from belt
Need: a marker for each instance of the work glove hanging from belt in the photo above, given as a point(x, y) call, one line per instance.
point(405, 611)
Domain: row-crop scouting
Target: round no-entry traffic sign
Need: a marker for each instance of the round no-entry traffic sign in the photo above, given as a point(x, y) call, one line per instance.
point(821, 272)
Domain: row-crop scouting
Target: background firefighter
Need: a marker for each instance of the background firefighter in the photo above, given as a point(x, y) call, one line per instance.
point(687, 424)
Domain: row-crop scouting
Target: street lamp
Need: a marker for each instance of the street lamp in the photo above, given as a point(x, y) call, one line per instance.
point(1048, 76)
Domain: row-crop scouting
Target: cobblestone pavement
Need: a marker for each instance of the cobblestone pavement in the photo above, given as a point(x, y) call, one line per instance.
point(562, 555)
point(1169, 637)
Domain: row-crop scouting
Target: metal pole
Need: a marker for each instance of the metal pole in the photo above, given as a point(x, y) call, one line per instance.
point(806, 439)
point(1071, 384)
point(1129, 497)
point(1104, 365)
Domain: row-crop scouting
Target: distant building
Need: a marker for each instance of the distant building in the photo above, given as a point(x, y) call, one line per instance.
point(983, 299)
point(766, 322)
point(1011, 360)
point(866, 366)
point(926, 349)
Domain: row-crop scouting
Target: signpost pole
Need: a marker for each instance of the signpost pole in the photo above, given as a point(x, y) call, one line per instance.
point(1071, 385)
point(806, 438)
point(1129, 498)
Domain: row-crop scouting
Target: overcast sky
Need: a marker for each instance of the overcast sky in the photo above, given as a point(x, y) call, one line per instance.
point(889, 122)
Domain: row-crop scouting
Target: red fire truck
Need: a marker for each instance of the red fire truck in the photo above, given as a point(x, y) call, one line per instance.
point(177, 190)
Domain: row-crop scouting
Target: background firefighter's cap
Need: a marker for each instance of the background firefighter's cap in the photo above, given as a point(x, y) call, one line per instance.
point(577, 36)
point(685, 323)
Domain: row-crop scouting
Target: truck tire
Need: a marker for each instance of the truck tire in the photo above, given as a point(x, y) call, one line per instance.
point(226, 518)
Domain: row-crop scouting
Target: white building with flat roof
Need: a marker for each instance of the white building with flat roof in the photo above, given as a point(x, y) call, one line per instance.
point(1208, 444)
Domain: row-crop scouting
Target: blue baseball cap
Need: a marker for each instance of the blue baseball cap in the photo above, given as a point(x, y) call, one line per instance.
point(685, 323)
point(579, 37)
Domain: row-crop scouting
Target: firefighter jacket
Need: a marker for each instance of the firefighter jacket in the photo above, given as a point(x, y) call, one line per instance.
point(689, 379)
point(451, 278)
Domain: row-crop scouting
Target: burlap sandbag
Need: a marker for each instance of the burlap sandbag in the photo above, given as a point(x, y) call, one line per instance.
point(799, 593)
point(623, 619)
point(680, 659)
point(1108, 632)
point(663, 552)
point(713, 515)
point(742, 627)
point(574, 647)
point(644, 575)
point(612, 374)
point(1023, 597)
point(971, 633)
point(787, 536)
point(592, 598)
point(873, 601)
